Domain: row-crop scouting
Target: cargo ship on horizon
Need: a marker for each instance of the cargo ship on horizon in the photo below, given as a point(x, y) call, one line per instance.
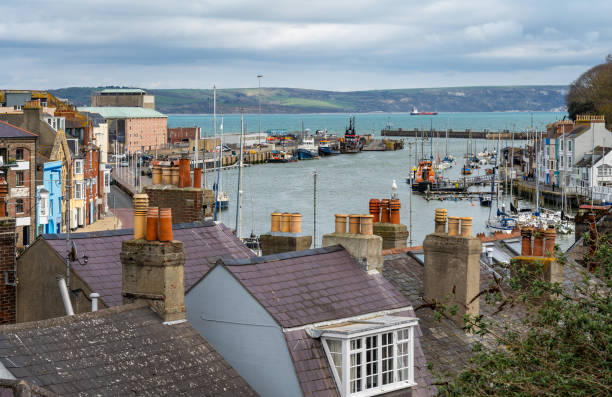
point(415, 112)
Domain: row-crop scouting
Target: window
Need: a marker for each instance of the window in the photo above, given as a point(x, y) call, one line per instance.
point(569, 146)
point(78, 190)
point(368, 363)
point(78, 167)
point(19, 178)
point(19, 206)
point(19, 154)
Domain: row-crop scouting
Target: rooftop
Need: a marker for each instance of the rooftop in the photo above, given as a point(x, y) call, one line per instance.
point(122, 91)
point(316, 285)
point(126, 350)
point(204, 242)
point(8, 130)
point(115, 112)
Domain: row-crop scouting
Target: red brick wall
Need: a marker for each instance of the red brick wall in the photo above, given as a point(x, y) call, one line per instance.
point(91, 171)
point(7, 264)
point(179, 133)
point(186, 203)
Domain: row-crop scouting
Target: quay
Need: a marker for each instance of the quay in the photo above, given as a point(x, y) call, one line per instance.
point(486, 134)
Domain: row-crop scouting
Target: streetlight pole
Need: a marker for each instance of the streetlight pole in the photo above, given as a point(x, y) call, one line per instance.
point(259, 76)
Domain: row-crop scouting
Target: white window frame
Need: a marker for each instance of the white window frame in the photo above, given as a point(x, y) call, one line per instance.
point(343, 380)
point(78, 167)
point(78, 190)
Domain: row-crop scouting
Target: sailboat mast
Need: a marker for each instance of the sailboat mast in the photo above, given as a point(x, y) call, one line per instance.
point(219, 164)
point(239, 196)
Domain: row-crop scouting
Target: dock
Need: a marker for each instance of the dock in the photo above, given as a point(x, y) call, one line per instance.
point(486, 134)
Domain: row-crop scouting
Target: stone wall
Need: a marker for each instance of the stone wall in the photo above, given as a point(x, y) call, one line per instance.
point(186, 203)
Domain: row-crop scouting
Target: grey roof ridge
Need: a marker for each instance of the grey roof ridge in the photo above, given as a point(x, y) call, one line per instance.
point(72, 319)
point(279, 257)
point(123, 232)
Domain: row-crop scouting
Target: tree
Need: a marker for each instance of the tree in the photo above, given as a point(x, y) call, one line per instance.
point(562, 347)
point(591, 93)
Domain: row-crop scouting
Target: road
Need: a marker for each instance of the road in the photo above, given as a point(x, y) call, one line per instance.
point(120, 204)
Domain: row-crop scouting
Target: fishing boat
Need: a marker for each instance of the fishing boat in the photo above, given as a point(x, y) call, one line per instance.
point(484, 202)
point(466, 170)
point(222, 201)
point(350, 143)
point(327, 148)
point(279, 156)
point(307, 150)
point(415, 112)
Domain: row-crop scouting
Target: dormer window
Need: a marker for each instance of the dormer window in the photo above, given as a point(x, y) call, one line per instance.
point(370, 357)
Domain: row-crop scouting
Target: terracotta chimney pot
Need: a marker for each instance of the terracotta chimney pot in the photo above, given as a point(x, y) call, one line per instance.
point(550, 235)
point(157, 175)
point(375, 209)
point(295, 223)
point(285, 223)
point(394, 208)
point(184, 173)
point(466, 226)
point(197, 177)
point(340, 223)
point(167, 176)
point(526, 233)
point(354, 220)
point(152, 217)
point(174, 175)
point(440, 219)
point(367, 226)
point(453, 225)
point(384, 209)
point(275, 222)
point(165, 224)
point(538, 243)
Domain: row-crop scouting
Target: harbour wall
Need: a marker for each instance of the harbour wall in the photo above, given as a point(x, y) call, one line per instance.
point(416, 133)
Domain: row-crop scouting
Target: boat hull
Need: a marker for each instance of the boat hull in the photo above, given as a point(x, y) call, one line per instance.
point(305, 154)
point(327, 151)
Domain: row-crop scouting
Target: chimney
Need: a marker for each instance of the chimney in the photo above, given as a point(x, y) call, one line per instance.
point(388, 225)
point(440, 220)
point(452, 267)
point(284, 234)
point(32, 116)
point(153, 272)
point(3, 195)
point(360, 241)
point(540, 260)
point(184, 173)
point(141, 203)
point(375, 209)
point(8, 271)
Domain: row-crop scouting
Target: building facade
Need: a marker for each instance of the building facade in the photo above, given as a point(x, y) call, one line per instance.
point(123, 97)
point(50, 218)
point(18, 153)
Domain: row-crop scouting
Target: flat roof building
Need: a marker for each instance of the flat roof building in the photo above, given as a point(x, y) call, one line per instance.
point(123, 97)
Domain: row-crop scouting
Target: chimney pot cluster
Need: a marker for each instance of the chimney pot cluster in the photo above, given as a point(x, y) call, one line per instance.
point(453, 224)
point(543, 242)
point(151, 223)
point(286, 222)
point(385, 210)
point(358, 224)
point(177, 175)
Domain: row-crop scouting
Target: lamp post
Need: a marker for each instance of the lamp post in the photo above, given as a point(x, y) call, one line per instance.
point(259, 76)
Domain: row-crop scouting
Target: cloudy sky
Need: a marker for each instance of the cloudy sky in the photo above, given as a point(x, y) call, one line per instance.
point(320, 44)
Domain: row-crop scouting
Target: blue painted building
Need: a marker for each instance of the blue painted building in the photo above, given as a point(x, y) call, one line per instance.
point(51, 223)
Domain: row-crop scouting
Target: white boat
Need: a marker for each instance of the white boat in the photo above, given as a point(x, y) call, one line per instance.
point(222, 200)
point(307, 149)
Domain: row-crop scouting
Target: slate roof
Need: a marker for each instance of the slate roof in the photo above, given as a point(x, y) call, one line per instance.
point(204, 242)
point(599, 153)
point(8, 130)
point(126, 350)
point(577, 131)
point(321, 284)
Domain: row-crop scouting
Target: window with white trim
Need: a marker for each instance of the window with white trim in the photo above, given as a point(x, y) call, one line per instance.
point(78, 167)
point(371, 357)
point(78, 190)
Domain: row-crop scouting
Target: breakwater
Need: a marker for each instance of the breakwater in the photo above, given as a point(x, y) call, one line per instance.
point(417, 133)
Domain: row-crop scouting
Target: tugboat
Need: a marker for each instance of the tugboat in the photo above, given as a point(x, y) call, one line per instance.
point(350, 143)
point(307, 150)
point(279, 156)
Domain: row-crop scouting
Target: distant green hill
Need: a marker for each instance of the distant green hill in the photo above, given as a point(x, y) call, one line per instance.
point(297, 100)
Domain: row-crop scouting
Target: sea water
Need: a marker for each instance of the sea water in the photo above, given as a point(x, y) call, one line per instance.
point(346, 183)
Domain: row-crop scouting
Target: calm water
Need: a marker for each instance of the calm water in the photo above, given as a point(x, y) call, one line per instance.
point(370, 122)
point(346, 183)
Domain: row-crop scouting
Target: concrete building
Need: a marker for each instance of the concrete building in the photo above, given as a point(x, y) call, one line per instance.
point(132, 129)
point(123, 97)
point(18, 166)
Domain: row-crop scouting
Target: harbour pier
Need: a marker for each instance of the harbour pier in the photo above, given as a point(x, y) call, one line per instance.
point(486, 134)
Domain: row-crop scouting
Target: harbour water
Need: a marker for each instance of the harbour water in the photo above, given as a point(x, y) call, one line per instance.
point(346, 183)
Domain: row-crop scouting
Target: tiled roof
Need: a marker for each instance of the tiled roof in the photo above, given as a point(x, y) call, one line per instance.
point(305, 287)
point(122, 351)
point(204, 242)
point(8, 130)
point(577, 131)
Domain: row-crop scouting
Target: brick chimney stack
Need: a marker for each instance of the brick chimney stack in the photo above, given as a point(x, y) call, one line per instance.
point(153, 271)
point(7, 271)
point(452, 266)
